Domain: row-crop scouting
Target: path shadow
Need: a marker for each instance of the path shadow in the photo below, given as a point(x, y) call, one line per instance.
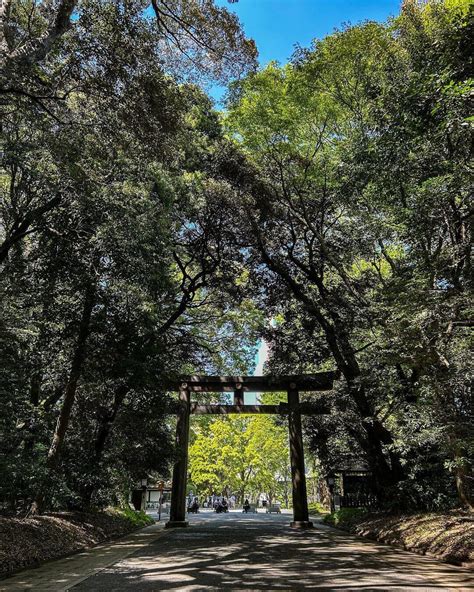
point(263, 553)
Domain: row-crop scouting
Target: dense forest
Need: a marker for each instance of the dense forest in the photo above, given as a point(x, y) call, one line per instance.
point(144, 235)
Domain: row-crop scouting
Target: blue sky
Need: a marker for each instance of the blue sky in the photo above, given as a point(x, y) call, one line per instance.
point(278, 25)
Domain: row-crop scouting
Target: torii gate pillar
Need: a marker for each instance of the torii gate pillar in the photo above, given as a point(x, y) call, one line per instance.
point(180, 469)
point(321, 381)
point(298, 477)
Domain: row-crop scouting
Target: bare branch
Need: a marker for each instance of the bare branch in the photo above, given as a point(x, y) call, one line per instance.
point(36, 50)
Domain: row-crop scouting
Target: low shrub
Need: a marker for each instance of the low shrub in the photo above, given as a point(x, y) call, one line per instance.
point(448, 536)
point(317, 508)
point(136, 518)
point(346, 517)
point(25, 542)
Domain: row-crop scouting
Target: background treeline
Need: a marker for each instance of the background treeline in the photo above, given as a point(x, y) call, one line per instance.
point(143, 238)
point(240, 455)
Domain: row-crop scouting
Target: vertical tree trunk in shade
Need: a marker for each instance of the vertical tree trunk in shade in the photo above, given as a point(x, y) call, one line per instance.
point(107, 422)
point(463, 475)
point(376, 436)
point(298, 477)
point(178, 493)
point(54, 453)
point(105, 427)
point(74, 374)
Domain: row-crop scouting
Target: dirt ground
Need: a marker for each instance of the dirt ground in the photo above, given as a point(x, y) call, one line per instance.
point(449, 537)
point(26, 542)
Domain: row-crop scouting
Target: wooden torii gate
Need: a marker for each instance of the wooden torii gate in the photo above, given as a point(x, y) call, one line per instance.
point(293, 385)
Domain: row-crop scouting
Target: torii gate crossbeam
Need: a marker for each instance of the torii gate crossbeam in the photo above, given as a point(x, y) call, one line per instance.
point(293, 385)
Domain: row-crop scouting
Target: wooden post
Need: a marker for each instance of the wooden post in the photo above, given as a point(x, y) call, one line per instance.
point(238, 394)
point(300, 500)
point(180, 470)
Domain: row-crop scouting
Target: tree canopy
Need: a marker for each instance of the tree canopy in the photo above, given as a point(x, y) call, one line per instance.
point(362, 228)
point(143, 235)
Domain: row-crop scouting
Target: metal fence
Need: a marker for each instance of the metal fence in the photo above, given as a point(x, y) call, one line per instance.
point(358, 501)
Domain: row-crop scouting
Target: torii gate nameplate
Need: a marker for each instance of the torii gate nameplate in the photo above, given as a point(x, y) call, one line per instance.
point(293, 385)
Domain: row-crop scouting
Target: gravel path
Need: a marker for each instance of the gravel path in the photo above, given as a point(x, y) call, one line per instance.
point(242, 552)
point(260, 552)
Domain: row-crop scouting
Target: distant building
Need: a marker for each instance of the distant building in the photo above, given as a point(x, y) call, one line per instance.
point(352, 486)
point(146, 495)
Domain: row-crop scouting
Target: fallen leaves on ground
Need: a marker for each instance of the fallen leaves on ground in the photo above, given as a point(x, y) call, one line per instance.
point(26, 542)
point(447, 536)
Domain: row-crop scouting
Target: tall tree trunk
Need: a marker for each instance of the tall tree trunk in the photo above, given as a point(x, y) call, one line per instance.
point(376, 439)
point(108, 421)
point(37, 355)
point(74, 374)
point(105, 427)
point(463, 474)
point(376, 435)
point(62, 423)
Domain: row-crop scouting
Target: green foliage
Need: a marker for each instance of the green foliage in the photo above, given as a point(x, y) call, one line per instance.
point(360, 216)
point(240, 455)
point(316, 508)
point(104, 232)
point(137, 519)
point(138, 243)
point(346, 517)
